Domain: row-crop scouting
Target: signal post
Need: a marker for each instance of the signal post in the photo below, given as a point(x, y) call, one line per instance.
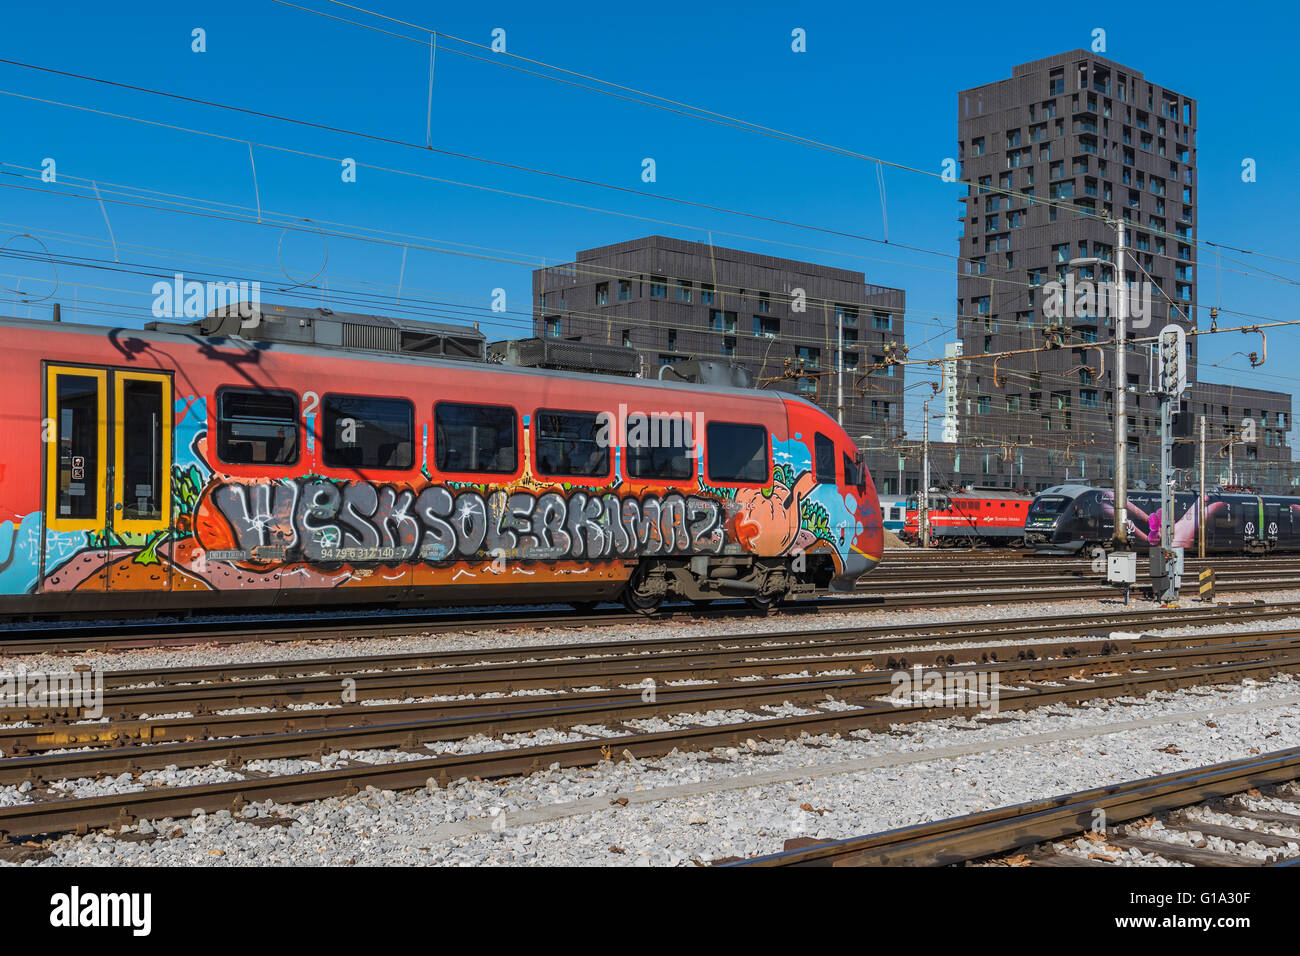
point(1166, 560)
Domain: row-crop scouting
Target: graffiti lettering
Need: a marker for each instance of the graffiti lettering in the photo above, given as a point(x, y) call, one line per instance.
point(324, 521)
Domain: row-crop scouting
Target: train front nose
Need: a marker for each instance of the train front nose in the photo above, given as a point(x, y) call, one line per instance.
point(863, 550)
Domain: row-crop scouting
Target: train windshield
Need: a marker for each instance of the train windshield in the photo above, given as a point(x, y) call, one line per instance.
point(1045, 506)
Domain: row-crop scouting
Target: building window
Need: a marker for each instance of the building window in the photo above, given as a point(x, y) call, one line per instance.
point(767, 327)
point(624, 290)
point(880, 321)
point(658, 287)
point(809, 356)
point(707, 294)
point(553, 327)
point(602, 293)
point(720, 321)
point(764, 302)
point(684, 291)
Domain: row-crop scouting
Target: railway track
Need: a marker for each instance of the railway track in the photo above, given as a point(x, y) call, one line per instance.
point(840, 682)
point(910, 587)
point(1168, 829)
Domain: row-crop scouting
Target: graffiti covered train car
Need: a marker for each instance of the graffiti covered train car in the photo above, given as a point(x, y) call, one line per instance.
point(225, 463)
point(1074, 518)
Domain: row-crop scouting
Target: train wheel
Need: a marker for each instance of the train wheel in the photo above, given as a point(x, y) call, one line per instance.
point(641, 603)
point(763, 602)
point(644, 592)
point(583, 607)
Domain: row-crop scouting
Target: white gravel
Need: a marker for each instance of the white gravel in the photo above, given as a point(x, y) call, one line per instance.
point(417, 641)
point(697, 807)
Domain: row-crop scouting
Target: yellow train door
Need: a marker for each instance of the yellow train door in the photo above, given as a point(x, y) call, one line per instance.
point(108, 460)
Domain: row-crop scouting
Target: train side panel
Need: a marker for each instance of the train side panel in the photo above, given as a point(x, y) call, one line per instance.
point(145, 484)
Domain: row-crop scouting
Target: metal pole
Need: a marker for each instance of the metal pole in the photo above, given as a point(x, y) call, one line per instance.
point(925, 475)
point(839, 363)
point(1231, 483)
point(1200, 517)
point(1166, 470)
point(1121, 387)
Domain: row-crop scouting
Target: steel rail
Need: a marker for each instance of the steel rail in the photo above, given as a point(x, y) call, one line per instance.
point(134, 635)
point(59, 815)
point(20, 741)
point(506, 678)
point(965, 838)
point(527, 716)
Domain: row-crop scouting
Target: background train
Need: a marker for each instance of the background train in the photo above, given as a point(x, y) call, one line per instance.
point(284, 456)
point(893, 511)
point(1068, 519)
point(964, 519)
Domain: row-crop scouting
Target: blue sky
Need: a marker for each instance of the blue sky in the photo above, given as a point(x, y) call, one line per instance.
point(878, 80)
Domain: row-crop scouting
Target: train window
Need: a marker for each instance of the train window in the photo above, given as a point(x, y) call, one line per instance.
point(737, 452)
point(567, 444)
point(77, 458)
point(659, 446)
point(475, 438)
point(855, 475)
point(257, 427)
point(824, 459)
point(142, 477)
point(362, 432)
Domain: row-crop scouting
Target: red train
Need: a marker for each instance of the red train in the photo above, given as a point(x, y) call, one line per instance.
point(969, 518)
point(303, 457)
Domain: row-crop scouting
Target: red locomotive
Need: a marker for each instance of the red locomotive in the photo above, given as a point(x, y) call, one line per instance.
point(964, 519)
point(300, 456)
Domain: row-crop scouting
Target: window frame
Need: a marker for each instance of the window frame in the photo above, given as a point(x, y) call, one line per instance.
point(835, 464)
point(536, 434)
point(624, 462)
point(222, 391)
point(142, 525)
point(516, 422)
point(53, 521)
point(736, 483)
point(324, 443)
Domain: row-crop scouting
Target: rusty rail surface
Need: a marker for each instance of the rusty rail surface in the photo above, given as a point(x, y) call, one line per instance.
point(962, 839)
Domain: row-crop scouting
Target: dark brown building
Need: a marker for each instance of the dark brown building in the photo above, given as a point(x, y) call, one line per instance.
point(674, 301)
point(1053, 152)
